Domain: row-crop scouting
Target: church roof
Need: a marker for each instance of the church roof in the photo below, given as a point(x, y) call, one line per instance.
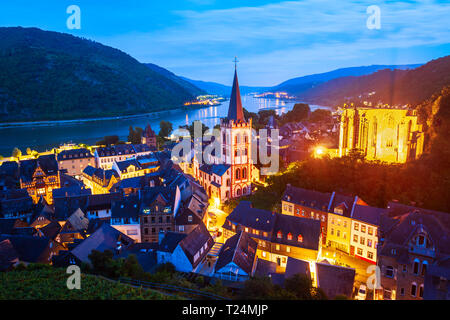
point(235, 111)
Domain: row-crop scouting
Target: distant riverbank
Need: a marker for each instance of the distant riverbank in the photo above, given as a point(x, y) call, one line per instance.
point(45, 123)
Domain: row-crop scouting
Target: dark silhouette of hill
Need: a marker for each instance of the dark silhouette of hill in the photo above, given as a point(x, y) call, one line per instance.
point(49, 75)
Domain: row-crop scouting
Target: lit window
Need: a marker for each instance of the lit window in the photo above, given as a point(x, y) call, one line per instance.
point(279, 235)
point(363, 228)
point(289, 236)
point(300, 238)
point(356, 226)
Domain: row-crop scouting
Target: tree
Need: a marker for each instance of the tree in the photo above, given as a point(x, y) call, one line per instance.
point(109, 140)
point(321, 115)
point(165, 129)
point(299, 112)
point(16, 153)
point(258, 288)
point(300, 285)
point(131, 267)
point(135, 135)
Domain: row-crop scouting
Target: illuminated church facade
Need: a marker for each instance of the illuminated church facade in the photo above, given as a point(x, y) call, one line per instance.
point(231, 172)
point(385, 134)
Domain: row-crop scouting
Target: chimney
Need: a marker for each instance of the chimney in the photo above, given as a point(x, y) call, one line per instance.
point(160, 236)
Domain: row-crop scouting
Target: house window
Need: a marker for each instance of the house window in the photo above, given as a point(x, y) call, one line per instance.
point(389, 271)
point(413, 289)
point(424, 267)
point(369, 243)
point(277, 247)
point(416, 266)
point(362, 240)
point(404, 268)
point(355, 238)
point(300, 238)
point(421, 291)
point(402, 291)
point(370, 231)
point(181, 228)
point(360, 252)
point(288, 249)
point(356, 226)
point(370, 255)
point(264, 254)
point(363, 228)
point(279, 235)
point(332, 231)
point(289, 236)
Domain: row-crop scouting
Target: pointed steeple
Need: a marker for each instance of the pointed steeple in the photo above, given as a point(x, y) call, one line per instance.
point(235, 111)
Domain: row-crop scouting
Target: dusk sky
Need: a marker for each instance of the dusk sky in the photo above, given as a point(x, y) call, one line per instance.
point(273, 40)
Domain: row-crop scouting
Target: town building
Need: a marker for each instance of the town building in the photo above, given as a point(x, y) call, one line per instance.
point(237, 258)
point(73, 161)
point(106, 156)
point(40, 176)
point(125, 217)
point(99, 180)
point(386, 134)
point(366, 221)
point(136, 167)
point(316, 205)
point(185, 252)
point(411, 241)
point(279, 236)
point(149, 137)
point(229, 174)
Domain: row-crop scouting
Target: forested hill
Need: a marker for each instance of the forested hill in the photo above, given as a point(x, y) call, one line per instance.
point(395, 87)
point(48, 75)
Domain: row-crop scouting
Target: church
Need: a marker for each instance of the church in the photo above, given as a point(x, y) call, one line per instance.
point(230, 173)
point(386, 134)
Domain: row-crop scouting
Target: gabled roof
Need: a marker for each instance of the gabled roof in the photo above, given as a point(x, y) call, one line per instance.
point(125, 164)
point(47, 163)
point(78, 220)
point(368, 214)
point(7, 226)
point(235, 111)
point(127, 208)
point(295, 266)
point(218, 169)
point(250, 217)
point(104, 238)
point(51, 230)
point(182, 217)
point(335, 280)
point(307, 198)
point(8, 255)
point(29, 248)
point(240, 249)
point(170, 241)
point(102, 201)
point(194, 241)
point(309, 229)
point(70, 154)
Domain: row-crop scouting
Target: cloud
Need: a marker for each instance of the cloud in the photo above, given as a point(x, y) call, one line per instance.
point(290, 36)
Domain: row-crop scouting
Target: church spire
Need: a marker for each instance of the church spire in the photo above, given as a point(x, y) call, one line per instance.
point(235, 111)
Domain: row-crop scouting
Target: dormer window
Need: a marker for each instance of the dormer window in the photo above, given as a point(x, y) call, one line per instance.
point(300, 238)
point(190, 218)
point(289, 236)
point(279, 235)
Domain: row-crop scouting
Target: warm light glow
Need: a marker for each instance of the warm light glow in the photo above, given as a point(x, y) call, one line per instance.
point(217, 202)
point(319, 151)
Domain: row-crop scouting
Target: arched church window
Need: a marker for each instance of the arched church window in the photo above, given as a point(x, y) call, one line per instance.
point(244, 173)
point(238, 174)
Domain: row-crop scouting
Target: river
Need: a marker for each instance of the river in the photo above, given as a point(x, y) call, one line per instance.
point(43, 138)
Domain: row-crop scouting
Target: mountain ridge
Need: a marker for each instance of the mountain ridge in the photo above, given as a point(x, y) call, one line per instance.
point(47, 75)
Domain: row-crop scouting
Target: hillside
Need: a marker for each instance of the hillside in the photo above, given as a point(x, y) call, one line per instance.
point(298, 85)
point(48, 75)
point(47, 283)
point(395, 87)
point(181, 81)
point(223, 90)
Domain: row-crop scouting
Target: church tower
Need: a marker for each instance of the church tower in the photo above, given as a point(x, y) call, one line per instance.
point(236, 134)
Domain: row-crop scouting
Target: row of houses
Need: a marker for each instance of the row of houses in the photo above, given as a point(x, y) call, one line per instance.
point(407, 243)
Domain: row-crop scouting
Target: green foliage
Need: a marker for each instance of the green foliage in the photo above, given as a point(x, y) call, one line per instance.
point(166, 267)
point(321, 115)
point(135, 135)
point(53, 76)
point(16, 153)
point(48, 283)
point(109, 140)
point(165, 129)
point(299, 112)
